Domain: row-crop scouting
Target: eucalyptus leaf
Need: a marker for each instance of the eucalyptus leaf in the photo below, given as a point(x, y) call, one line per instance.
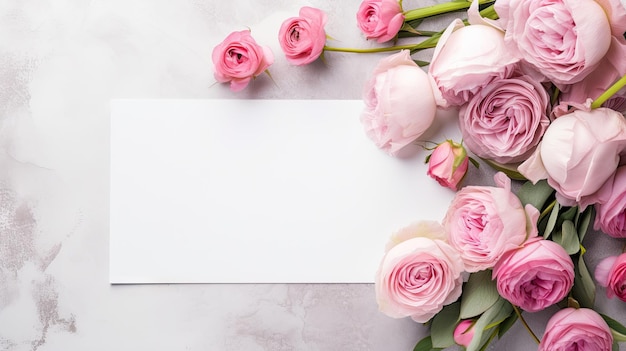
point(501, 309)
point(535, 194)
point(584, 290)
point(569, 214)
point(425, 345)
point(443, 325)
point(554, 215)
point(507, 324)
point(583, 222)
point(479, 294)
point(509, 170)
point(567, 237)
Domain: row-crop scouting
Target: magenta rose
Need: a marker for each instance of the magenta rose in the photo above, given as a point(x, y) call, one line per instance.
point(418, 275)
point(302, 38)
point(448, 164)
point(380, 19)
point(399, 103)
point(239, 58)
point(565, 40)
point(484, 222)
point(611, 274)
point(464, 332)
point(576, 329)
point(611, 205)
point(466, 59)
point(505, 121)
point(578, 154)
point(535, 276)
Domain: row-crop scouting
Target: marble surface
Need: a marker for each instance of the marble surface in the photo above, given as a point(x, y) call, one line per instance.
point(61, 62)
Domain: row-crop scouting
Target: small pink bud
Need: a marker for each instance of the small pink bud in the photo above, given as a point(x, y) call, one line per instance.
point(464, 332)
point(448, 164)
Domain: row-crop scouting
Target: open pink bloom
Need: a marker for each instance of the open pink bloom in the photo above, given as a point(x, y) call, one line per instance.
point(505, 121)
point(484, 222)
point(611, 205)
point(380, 19)
point(578, 153)
point(448, 164)
point(611, 274)
point(535, 276)
point(399, 103)
point(239, 58)
point(417, 277)
point(302, 38)
point(466, 59)
point(565, 40)
point(464, 332)
point(576, 329)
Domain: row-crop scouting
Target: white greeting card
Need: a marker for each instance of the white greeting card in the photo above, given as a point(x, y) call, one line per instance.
point(256, 191)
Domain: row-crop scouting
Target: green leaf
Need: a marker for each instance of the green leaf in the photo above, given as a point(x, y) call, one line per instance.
point(617, 329)
point(615, 346)
point(425, 345)
point(501, 309)
point(535, 194)
point(474, 162)
point(443, 325)
point(509, 170)
point(583, 222)
point(567, 237)
point(584, 290)
point(507, 324)
point(479, 294)
point(554, 215)
point(569, 214)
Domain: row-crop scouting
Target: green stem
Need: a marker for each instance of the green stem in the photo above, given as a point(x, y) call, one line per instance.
point(609, 92)
point(490, 12)
point(439, 9)
point(530, 331)
point(426, 44)
point(547, 210)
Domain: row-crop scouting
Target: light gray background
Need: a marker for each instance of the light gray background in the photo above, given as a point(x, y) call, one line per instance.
point(60, 64)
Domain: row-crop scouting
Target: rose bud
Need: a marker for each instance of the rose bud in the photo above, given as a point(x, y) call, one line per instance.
point(380, 19)
point(611, 274)
point(464, 332)
point(448, 164)
point(302, 38)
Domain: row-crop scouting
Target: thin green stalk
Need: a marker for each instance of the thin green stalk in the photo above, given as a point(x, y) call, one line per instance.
point(547, 210)
point(372, 50)
point(609, 92)
point(439, 9)
point(530, 331)
point(489, 12)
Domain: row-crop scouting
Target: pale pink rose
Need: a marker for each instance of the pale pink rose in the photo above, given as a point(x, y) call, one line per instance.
point(565, 40)
point(464, 332)
point(466, 59)
point(484, 222)
point(576, 329)
point(505, 121)
point(578, 154)
point(448, 164)
point(380, 19)
point(399, 103)
point(239, 58)
point(535, 276)
point(611, 205)
point(611, 274)
point(417, 277)
point(302, 38)
point(422, 229)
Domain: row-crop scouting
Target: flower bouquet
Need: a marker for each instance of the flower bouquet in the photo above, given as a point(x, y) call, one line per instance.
point(538, 87)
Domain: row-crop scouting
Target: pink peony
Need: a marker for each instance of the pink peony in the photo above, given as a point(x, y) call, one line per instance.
point(380, 19)
point(448, 164)
point(535, 276)
point(418, 276)
point(483, 223)
point(302, 38)
point(611, 206)
point(239, 58)
point(466, 59)
point(464, 332)
point(505, 121)
point(611, 274)
point(399, 103)
point(576, 329)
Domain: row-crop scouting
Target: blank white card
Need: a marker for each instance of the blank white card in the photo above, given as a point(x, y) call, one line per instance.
point(256, 191)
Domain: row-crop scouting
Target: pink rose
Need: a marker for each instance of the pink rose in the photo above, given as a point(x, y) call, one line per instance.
point(611, 274)
point(578, 153)
point(466, 59)
point(563, 39)
point(505, 121)
point(448, 164)
point(418, 276)
point(239, 58)
point(399, 103)
point(303, 38)
point(484, 222)
point(464, 332)
point(535, 276)
point(576, 329)
point(380, 19)
point(611, 206)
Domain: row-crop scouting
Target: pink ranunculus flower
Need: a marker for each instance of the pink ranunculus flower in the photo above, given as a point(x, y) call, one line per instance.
point(464, 332)
point(611, 205)
point(576, 329)
point(578, 153)
point(302, 38)
point(505, 121)
point(611, 274)
point(483, 223)
point(565, 40)
point(419, 275)
point(466, 59)
point(535, 276)
point(399, 103)
point(380, 19)
point(448, 164)
point(239, 58)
